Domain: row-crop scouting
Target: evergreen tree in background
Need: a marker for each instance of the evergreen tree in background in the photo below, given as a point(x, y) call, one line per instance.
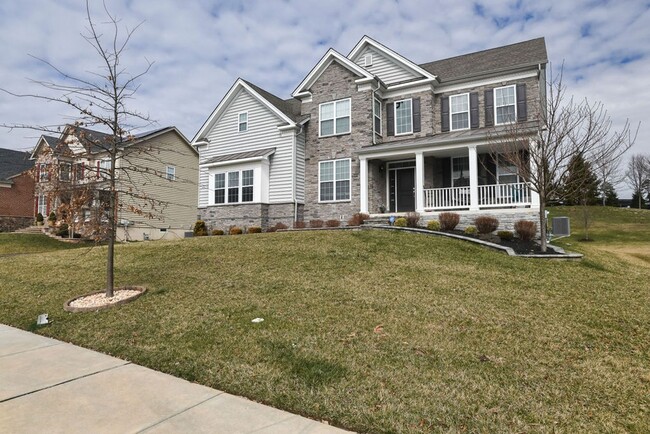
point(637, 198)
point(581, 184)
point(608, 194)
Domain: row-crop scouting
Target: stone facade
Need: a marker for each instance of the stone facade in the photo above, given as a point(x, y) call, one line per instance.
point(428, 124)
point(10, 224)
point(249, 215)
point(506, 217)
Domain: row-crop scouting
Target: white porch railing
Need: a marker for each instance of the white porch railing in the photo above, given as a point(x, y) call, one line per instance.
point(489, 196)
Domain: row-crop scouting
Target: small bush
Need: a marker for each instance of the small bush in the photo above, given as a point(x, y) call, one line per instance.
point(51, 217)
point(486, 224)
point(299, 225)
point(62, 230)
point(412, 219)
point(315, 223)
point(217, 232)
point(433, 225)
point(39, 218)
point(279, 226)
point(505, 235)
point(255, 230)
point(358, 219)
point(333, 223)
point(448, 220)
point(526, 230)
point(200, 230)
point(235, 231)
point(401, 222)
point(471, 230)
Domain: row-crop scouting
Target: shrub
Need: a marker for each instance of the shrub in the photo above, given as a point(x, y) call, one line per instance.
point(235, 231)
point(358, 219)
point(299, 225)
point(412, 219)
point(470, 230)
point(526, 230)
point(200, 230)
point(62, 230)
point(315, 223)
point(333, 223)
point(401, 222)
point(255, 230)
point(52, 217)
point(486, 224)
point(433, 225)
point(217, 232)
point(448, 220)
point(279, 226)
point(505, 235)
point(39, 218)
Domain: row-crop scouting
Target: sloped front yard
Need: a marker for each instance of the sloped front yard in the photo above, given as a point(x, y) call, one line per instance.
point(372, 331)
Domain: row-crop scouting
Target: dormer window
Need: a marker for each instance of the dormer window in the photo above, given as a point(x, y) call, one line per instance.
point(334, 118)
point(459, 111)
point(367, 59)
point(243, 122)
point(504, 104)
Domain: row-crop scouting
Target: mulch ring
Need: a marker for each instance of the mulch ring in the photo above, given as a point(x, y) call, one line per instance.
point(98, 300)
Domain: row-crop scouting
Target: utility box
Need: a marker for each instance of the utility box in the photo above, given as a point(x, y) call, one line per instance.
point(561, 227)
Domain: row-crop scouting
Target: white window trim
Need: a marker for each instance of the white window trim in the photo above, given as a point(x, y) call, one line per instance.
point(494, 104)
point(452, 113)
point(498, 172)
point(240, 186)
point(173, 173)
point(349, 160)
point(374, 115)
point(239, 122)
point(410, 100)
point(320, 120)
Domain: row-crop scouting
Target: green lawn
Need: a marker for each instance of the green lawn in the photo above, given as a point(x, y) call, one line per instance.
point(11, 243)
point(373, 331)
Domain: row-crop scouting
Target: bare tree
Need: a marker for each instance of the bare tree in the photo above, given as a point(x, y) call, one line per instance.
point(561, 129)
point(609, 175)
point(637, 175)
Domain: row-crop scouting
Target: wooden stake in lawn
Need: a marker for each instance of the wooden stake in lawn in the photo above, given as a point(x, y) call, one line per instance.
point(560, 130)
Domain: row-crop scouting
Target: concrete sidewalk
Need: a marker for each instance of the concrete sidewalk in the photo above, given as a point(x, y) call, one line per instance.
point(51, 386)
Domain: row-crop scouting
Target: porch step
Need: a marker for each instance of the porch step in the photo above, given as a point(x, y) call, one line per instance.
point(30, 230)
point(377, 221)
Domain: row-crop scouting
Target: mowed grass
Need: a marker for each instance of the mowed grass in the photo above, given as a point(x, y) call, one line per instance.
point(11, 243)
point(373, 331)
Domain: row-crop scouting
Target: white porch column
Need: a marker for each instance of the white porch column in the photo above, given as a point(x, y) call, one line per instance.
point(534, 196)
point(363, 179)
point(419, 182)
point(473, 178)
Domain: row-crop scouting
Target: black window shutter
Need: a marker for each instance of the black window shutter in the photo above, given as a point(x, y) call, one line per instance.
point(417, 124)
point(489, 108)
point(522, 109)
point(444, 113)
point(390, 118)
point(473, 110)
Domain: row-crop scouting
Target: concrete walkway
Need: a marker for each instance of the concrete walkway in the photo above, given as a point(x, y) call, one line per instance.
point(51, 386)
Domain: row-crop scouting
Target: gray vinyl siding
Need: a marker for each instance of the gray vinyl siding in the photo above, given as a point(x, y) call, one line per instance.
point(300, 167)
point(174, 201)
point(383, 67)
point(262, 133)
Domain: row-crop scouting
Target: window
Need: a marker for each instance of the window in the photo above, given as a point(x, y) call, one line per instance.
point(506, 172)
point(459, 105)
point(334, 180)
point(239, 188)
point(404, 117)
point(43, 173)
point(104, 169)
point(504, 104)
point(367, 59)
point(171, 173)
point(64, 172)
point(42, 205)
point(460, 171)
point(243, 122)
point(79, 169)
point(377, 116)
point(334, 118)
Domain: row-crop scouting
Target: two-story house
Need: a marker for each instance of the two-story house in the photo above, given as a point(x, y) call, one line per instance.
point(16, 190)
point(155, 171)
point(374, 132)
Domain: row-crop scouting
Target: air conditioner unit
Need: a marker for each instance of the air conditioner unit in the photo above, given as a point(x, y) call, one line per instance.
point(561, 227)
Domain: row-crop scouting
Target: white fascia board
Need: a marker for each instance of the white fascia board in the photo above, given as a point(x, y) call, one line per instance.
point(407, 90)
point(323, 63)
point(366, 40)
point(234, 162)
point(225, 102)
point(41, 140)
point(485, 82)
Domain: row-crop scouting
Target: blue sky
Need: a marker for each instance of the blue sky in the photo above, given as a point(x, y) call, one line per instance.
point(200, 47)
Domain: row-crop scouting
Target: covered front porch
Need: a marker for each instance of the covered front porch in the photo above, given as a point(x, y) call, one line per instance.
point(470, 177)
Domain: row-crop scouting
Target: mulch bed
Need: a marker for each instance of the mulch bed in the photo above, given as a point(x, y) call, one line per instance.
point(520, 247)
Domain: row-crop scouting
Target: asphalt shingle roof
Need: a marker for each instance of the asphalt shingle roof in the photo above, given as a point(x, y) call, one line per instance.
point(13, 162)
point(240, 156)
point(290, 107)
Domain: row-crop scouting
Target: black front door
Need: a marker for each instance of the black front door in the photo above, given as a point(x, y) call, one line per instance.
point(402, 186)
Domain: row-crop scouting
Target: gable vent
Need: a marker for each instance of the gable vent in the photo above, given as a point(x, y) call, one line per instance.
point(367, 59)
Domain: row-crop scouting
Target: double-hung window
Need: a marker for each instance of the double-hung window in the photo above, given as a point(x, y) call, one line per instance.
point(404, 116)
point(334, 180)
point(505, 104)
point(460, 171)
point(43, 173)
point(506, 172)
point(334, 118)
point(233, 187)
point(64, 172)
point(171, 173)
point(459, 105)
point(377, 116)
point(243, 122)
point(104, 169)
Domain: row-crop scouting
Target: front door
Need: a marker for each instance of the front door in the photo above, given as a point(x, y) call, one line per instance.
point(402, 190)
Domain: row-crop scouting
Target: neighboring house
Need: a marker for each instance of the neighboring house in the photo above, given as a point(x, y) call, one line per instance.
point(16, 190)
point(156, 176)
point(373, 132)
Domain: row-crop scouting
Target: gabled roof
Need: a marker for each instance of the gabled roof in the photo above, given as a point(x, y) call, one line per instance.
point(329, 57)
point(13, 163)
point(521, 54)
point(398, 58)
point(249, 155)
point(290, 107)
point(283, 109)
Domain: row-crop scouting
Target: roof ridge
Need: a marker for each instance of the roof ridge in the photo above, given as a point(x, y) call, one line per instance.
point(483, 51)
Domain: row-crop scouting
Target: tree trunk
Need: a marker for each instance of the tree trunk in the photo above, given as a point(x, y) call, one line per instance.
point(542, 224)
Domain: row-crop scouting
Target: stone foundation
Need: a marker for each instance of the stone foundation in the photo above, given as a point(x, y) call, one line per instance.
point(249, 215)
point(10, 224)
point(506, 217)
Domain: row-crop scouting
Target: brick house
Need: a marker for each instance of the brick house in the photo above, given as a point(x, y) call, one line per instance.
point(16, 190)
point(155, 172)
point(374, 132)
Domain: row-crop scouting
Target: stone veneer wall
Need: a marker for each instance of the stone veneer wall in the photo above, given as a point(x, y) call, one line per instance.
point(247, 215)
point(10, 223)
point(507, 218)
